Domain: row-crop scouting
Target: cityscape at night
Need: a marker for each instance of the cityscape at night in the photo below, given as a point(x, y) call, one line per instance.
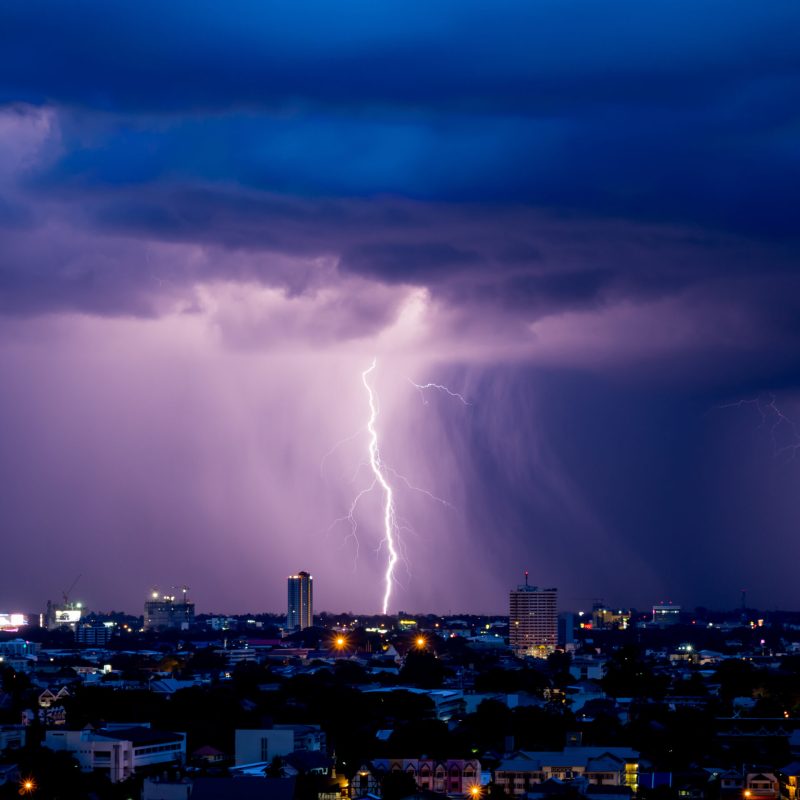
point(399, 401)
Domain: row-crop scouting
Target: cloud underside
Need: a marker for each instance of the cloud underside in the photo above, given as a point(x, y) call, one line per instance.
point(555, 182)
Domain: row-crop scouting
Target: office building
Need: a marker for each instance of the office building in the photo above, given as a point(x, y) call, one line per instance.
point(96, 635)
point(64, 615)
point(533, 620)
point(168, 611)
point(606, 619)
point(300, 613)
point(666, 614)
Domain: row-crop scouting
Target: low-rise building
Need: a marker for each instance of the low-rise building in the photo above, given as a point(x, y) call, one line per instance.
point(602, 766)
point(19, 648)
point(448, 703)
point(161, 788)
point(12, 737)
point(263, 744)
point(761, 786)
point(448, 776)
point(789, 780)
point(119, 753)
point(53, 696)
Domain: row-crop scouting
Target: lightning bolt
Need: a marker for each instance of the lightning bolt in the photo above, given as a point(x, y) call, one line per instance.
point(350, 518)
point(779, 424)
point(421, 387)
point(392, 524)
point(389, 517)
point(335, 448)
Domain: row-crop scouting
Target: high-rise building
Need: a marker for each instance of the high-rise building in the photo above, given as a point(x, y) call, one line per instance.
point(168, 611)
point(300, 613)
point(533, 620)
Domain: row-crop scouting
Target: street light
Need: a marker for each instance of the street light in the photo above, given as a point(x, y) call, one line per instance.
point(475, 791)
point(420, 642)
point(28, 786)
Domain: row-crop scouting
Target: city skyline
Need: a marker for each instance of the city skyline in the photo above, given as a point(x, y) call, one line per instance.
point(300, 603)
point(565, 235)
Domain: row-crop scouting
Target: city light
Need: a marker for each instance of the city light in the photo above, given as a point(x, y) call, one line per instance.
point(28, 786)
point(420, 642)
point(475, 790)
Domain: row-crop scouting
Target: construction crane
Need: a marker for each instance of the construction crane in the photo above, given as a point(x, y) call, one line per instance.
point(65, 593)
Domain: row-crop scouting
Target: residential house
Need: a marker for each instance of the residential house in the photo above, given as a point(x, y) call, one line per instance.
point(53, 696)
point(608, 766)
point(788, 781)
point(761, 786)
point(450, 776)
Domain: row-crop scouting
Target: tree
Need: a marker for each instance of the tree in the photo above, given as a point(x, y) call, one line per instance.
point(737, 678)
point(628, 674)
point(397, 785)
point(422, 669)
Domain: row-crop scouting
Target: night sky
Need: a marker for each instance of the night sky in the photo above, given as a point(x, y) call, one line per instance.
point(583, 217)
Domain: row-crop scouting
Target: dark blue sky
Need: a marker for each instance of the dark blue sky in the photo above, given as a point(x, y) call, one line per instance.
point(582, 216)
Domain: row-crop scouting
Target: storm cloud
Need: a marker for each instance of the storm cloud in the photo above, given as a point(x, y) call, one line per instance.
point(583, 218)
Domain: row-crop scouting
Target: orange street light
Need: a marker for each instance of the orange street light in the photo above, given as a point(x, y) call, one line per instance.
point(420, 642)
point(28, 786)
point(475, 791)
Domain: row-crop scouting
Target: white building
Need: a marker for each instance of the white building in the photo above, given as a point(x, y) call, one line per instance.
point(12, 737)
point(118, 753)
point(448, 703)
point(533, 620)
point(263, 744)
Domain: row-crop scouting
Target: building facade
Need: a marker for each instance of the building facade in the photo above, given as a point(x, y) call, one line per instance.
point(598, 766)
point(12, 737)
point(119, 753)
point(533, 620)
point(262, 745)
point(666, 614)
point(65, 615)
point(168, 611)
point(300, 605)
point(446, 776)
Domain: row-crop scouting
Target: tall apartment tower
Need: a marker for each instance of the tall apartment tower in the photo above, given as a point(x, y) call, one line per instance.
point(300, 612)
point(533, 620)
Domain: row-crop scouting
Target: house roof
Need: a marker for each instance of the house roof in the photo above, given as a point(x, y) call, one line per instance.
point(574, 756)
point(305, 760)
point(140, 736)
point(207, 750)
point(603, 764)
